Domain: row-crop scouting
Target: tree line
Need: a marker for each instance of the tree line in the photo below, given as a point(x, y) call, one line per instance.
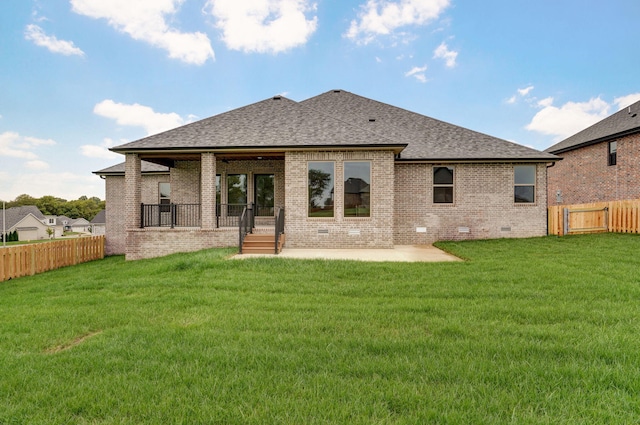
point(50, 205)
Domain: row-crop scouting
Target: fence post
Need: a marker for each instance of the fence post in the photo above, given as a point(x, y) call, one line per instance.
point(565, 228)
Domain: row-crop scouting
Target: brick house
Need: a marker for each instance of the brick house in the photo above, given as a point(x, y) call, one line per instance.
point(600, 163)
point(341, 170)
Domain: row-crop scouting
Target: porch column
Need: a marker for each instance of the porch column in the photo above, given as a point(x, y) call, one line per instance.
point(132, 190)
point(208, 190)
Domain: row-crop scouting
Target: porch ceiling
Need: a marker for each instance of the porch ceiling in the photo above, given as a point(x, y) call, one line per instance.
point(169, 159)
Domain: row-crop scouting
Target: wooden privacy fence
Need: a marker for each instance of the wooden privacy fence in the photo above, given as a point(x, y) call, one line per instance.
point(613, 216)
point(23, 260)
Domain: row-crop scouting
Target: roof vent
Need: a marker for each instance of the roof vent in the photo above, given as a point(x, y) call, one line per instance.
point(277, 97)
point(337, 91)
point(372, 120)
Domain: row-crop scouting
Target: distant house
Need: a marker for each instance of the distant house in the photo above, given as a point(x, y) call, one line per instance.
point(98, 223)
point(80, 225)
point(54, 224)
point(28, 221)
point(600, 163)
point(65, 222)
point(337, 170)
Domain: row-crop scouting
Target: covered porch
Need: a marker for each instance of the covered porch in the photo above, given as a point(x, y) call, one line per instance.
point(207, 200)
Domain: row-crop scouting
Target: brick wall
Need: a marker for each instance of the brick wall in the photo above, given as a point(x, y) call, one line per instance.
point(401, 204)
point(115, 227)
point(185, 179)
point(483, 203)
point(157, 242)
point(583, 175)
point(375, 231)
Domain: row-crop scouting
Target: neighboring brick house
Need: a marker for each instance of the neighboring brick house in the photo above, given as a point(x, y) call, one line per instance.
point(348, 172)
point(600, 163)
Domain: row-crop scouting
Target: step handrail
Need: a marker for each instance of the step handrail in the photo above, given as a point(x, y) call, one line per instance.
point(279, 227)
point(246, 224)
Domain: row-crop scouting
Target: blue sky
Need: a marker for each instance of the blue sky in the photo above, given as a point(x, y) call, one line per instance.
point(79, 76)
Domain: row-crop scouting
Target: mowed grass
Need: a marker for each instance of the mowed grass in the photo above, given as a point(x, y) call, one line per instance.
point(534, 331)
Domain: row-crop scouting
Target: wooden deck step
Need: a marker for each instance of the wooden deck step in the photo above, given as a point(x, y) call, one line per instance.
point(261, 243)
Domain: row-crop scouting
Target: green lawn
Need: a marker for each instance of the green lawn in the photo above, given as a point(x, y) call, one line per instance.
point(535, 331)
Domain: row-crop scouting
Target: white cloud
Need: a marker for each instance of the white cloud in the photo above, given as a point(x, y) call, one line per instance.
point(624, 101)
point(546, 102)
point(36, 164)
point(443, 52)
point(101, 151)
point(525, 91)
point(418, 73)
point(36, 34)
point(568, 119)
point(138, 116)
point(144, 20)
point(383, 17)
point(39, 142)
point(263, 26)
point(15, 146)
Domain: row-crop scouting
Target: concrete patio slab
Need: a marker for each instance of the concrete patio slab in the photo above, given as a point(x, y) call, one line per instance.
point(399, 253)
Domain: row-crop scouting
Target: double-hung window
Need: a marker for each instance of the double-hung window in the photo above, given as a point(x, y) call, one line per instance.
point(443, 185)
point(524, 189)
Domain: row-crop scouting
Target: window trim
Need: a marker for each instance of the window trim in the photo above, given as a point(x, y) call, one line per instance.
point(612, 157)
point(435, 185)
point(533, 185)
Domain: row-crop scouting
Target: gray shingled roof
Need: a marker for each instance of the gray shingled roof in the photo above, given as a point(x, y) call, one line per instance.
point(624, 122)
point(15, 214)
point(146, 167)
point(427, 138)
point(335, 118)
point(276, 122)
point(100, 218)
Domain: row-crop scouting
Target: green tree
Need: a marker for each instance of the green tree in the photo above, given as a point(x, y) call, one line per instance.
point(22, 200)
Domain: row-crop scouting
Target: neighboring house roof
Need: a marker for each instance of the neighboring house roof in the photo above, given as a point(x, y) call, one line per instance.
point(333, 119)
point(63, 220)
point(100, 218)
point(16, 214)
point(356, 185)
point(79, 222)
point(145, 166)
point(624, 122)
